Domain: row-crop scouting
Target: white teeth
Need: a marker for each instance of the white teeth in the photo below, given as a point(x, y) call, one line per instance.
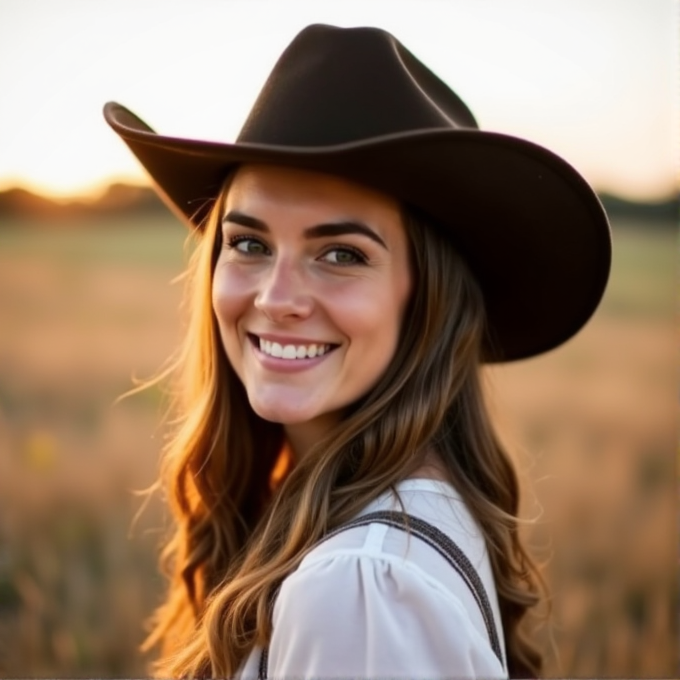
point(289, 352)
point(279, 351)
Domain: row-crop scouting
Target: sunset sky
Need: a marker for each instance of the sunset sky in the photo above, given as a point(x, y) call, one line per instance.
point(594, 80)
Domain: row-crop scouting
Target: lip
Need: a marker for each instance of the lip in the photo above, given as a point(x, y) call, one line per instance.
point(285, 365)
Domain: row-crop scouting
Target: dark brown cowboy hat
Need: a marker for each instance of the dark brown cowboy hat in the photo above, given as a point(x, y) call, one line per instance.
point(357, 104)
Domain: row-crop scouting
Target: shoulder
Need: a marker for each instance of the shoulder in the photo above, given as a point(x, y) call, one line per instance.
point(353, 614)
point(357, 597)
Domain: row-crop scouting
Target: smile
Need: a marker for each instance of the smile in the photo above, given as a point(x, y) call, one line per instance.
point(290, 351)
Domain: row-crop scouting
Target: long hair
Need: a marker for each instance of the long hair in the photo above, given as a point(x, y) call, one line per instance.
point(246, 515)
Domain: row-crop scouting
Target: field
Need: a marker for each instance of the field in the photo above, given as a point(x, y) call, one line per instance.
point(593, 426)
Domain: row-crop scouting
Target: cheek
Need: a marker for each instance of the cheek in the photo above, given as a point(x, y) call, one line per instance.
point(372, 320)
point(229, 300)
point(387, 317)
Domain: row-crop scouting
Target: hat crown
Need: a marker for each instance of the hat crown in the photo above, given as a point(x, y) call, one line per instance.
point(335, 86)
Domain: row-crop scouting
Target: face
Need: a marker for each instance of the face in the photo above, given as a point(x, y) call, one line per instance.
point(309, 290)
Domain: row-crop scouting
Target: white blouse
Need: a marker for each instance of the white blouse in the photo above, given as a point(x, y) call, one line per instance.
point(372, 602)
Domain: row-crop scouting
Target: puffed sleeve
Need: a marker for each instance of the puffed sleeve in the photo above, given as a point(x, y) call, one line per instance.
point(366, 616)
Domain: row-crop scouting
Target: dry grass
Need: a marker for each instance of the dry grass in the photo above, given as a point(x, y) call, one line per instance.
point(593, 425)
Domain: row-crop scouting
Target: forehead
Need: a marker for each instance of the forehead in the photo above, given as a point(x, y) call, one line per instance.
point(268, 187)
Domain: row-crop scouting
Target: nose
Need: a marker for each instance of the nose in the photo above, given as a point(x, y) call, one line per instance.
point(284, 293)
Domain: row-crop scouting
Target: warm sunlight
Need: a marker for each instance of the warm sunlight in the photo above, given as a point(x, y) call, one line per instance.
point(135, 345)
point(594, 81)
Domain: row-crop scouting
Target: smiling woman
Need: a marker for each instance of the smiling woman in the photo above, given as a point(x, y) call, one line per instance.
point(309, 291)
point(363, 249)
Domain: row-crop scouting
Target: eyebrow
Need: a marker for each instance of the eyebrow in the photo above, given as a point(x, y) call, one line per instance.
point(317, 231)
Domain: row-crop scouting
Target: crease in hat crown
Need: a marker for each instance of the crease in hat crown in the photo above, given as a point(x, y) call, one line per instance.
point(333, 86)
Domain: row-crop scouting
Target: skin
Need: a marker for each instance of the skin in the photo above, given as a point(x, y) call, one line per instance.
point(276, 279)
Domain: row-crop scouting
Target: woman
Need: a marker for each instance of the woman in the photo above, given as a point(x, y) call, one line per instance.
point(362, 248)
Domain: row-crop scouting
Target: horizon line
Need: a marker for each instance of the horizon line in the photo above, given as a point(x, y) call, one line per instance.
point(96, 191)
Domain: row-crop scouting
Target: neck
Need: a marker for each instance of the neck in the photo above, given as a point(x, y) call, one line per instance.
point(301, 437)
point(432, 467)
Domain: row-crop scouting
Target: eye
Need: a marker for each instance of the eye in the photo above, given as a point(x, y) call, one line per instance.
point(248, 245)
point(344, 256)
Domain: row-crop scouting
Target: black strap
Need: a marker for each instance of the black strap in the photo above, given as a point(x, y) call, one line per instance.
point(444, 546)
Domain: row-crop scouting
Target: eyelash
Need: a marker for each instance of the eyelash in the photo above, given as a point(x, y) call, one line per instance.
point(233, 241)
point(361, 259)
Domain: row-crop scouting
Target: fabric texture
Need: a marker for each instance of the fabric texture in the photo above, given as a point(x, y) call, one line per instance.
point(373, 602)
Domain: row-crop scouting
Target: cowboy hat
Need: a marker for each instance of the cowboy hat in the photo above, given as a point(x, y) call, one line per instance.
point(356, 103)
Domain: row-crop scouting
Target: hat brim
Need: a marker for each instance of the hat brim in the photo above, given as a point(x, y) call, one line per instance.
point(530, 227)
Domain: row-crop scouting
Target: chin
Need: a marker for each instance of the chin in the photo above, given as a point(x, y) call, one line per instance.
point(282, 413)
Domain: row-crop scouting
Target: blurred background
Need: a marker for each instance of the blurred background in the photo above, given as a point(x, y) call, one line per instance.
point(88, 302)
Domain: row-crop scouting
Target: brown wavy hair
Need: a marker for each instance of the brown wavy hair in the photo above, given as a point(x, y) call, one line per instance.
point(246, 515)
